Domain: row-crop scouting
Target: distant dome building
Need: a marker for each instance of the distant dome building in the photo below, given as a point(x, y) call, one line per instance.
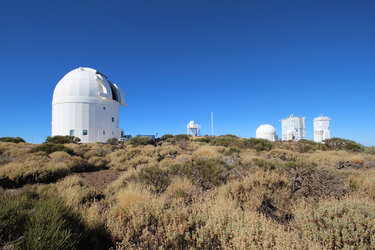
point(86, 104)
point(266, 131)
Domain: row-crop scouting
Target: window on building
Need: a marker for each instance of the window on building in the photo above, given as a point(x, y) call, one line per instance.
point(113, 133)
point(103, 132)
point(103, 108)
point(84, 132)
point(113, 119)
point(71, 132)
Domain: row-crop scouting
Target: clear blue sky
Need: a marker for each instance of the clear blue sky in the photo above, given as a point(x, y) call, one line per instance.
point(250, 62)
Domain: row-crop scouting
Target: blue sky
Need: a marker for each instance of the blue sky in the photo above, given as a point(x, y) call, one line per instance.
point(250, 62)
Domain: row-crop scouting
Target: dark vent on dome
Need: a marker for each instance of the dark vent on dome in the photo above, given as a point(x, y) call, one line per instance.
point(114, 92)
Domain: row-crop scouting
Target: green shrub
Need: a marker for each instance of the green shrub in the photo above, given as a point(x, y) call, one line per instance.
point(112, 141)
point(204, 172)
point(206, 139)
point(166, 137)
point(225, 141)
point(12, 139)
point(138, 141)
point(343, 144)
point(171, 140)
point(62, 139)
point(155, 177)
point(181, 137)
point(258, 144)
point(51, 147)
point(52, 226)
point(28, 221)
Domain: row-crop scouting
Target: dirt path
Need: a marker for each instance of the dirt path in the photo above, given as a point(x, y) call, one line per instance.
point(100, 180)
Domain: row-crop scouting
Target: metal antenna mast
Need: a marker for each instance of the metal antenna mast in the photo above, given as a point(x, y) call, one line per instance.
point(212, 123)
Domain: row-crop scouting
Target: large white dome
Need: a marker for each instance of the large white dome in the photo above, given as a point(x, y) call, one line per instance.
point(266, 129)
point(86, 83)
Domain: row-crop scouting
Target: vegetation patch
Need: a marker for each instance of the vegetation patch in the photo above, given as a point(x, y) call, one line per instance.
point(12, 139)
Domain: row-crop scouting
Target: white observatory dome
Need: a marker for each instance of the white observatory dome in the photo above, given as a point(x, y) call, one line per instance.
point(86, 104)
point(266, 131)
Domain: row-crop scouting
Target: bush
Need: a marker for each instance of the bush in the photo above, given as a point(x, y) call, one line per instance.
point(29, 222)
point(205, 139)
point(225, 141)
point(204, 172)
point(112, 141)
point(258, 144)
point(181, 137)
point(138, 141)
point(166, 137)
point(12, 139)
point(62, 139)
point(343, 144)
point(51, 147)
point(347, 224)
point(155, 177)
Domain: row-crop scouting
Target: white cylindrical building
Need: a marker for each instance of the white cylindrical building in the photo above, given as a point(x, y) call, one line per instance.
point(321, 128)
point(293, 128)
point(266, 131)
point(86, 105)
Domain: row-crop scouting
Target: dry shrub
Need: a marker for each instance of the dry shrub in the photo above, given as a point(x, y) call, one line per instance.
point(168, 152)
point(282, 154)
point(338, 224)
point(97, 162)
point(181, 188)
point(248, 155)
point(206, 151)
point(132, 158)
point(361, 181)
point(265, 192)
point(42, 168)
point(132, 214)
point(316, 183)
point(73, 192)
point(223, 225)
point(167, 162)
point(183, 158)
point(14, 150)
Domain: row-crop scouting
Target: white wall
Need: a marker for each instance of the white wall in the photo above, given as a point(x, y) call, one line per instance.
point(79, 116)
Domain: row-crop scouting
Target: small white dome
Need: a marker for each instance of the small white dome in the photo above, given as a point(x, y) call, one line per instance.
point(86, 82)
point(266, 129)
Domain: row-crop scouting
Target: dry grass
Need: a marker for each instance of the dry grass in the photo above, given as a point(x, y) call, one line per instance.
point(192, 195)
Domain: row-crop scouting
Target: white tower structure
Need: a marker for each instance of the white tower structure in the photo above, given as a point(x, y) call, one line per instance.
point(293, 128)
point(321, 128)
point(266, 131)
point(86, 105)
point(193, 129)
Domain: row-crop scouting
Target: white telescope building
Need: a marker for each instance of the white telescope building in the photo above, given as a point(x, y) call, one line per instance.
point(266, 131)
point(193, 129)
point(86, 105)
point(321, 128)
point(293, 128)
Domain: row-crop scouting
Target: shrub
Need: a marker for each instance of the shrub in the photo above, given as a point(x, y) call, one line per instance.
point(342, 144)
point(225, 141)
point(28, 221)
point(205, 139)
point(62, 139)
point(51, 147)
point(141, 141)
point(346, 224)
point(258, 144)
point(155, 177)
point(171, 140)
point(181, 137)
point(12, 139)
point(204, 172)
point(166, 137)
point(112, 141)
